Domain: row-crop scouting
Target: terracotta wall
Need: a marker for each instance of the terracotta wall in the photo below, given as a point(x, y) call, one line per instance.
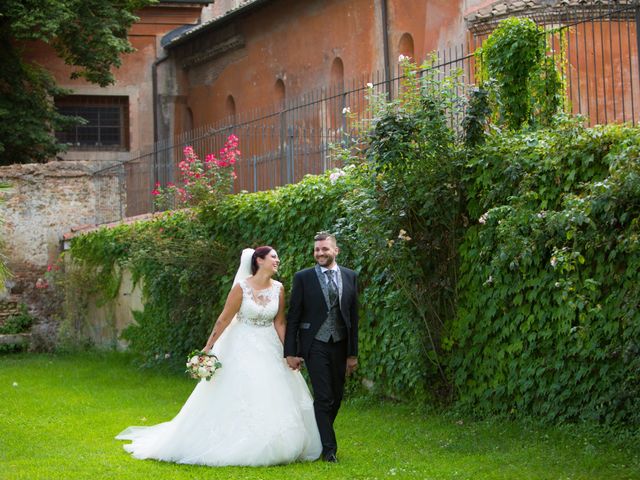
point(603, 76)
point(294, 44)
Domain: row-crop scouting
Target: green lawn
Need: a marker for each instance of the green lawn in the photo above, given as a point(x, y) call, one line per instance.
point(59, 414)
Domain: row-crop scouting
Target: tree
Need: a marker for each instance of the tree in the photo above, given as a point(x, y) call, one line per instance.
point(90, 35)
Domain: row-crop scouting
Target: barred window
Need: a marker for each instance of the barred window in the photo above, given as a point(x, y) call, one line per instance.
point(107, 126)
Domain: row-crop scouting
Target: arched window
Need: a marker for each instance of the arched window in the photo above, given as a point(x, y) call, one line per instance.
point(230, 106)
point(405, 46)
point(337, 73)
point(336, 103)
point(188, 120)
point(280, 93)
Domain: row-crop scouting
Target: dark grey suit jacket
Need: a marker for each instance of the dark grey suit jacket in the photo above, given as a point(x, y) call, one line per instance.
point(308, 309)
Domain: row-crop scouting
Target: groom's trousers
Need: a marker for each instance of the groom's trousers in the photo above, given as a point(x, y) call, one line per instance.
point(326, 364)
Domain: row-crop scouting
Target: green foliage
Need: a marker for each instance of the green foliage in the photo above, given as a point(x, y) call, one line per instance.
point(547, 92)
point(525, 83)
point(90, 35)
point(548, 323)
point(179, 268)
point(410, 198)
point(511, 54)
point(27, 114)
point(18, 323)
point(476, 117)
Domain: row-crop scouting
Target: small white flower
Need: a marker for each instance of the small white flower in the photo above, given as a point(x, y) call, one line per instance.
point(167, 355)
point(15, 384)
point(194, 360)
point(333, 178)
point(553, 262)
point(369, 85)
point(203, 371)
point(489, 280)
point(402, 58)
point(483, 218)
point(346, 110)
point(403, 235)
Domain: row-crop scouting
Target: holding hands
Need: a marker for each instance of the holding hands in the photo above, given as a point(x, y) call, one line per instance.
point(295, 363)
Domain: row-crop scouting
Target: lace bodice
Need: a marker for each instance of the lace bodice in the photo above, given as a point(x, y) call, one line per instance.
point(259, 307)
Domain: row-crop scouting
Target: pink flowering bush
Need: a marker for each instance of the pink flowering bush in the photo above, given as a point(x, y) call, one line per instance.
point(200, 180)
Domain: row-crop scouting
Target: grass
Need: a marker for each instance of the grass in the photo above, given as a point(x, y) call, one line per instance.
point(59, 421)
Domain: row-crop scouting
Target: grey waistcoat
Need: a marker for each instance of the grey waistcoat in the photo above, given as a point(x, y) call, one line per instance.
point(333, 328)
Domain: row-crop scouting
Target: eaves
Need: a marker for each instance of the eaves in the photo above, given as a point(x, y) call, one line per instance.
point(201, 29)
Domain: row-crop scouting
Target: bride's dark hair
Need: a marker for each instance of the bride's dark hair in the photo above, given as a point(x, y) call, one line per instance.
point(259, 252)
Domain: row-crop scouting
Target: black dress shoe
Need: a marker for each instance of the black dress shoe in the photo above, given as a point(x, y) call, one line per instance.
point(330, 457)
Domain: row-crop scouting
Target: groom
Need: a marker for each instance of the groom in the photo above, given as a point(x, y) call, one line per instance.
point(322, 330)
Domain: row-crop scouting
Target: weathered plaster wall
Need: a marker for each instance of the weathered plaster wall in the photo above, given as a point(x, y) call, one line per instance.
point(105, 323)
point(47, 200)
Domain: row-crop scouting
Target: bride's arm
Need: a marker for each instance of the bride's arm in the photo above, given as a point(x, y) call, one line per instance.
point(231, 307)
point(280, 322)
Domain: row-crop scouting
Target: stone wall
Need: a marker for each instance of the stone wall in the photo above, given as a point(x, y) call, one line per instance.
point(47, 200)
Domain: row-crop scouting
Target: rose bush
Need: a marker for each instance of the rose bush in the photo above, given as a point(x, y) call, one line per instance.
point(200, 180)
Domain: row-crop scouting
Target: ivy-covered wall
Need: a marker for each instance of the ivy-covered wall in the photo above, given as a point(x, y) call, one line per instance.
point(548, 321)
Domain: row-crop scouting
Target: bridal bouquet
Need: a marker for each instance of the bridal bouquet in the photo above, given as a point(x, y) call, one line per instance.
point(201, 364)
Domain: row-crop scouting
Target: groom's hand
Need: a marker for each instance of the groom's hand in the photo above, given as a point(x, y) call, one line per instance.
point(294, 362)
point(352, 365)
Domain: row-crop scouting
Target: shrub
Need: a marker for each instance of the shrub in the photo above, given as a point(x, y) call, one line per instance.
point(547, 323)
point(526, 87)
point(18, 323)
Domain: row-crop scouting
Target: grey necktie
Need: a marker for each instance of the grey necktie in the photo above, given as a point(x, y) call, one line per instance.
point(331, 287)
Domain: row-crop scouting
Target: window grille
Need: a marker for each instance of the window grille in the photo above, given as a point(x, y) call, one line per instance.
point(107, 122)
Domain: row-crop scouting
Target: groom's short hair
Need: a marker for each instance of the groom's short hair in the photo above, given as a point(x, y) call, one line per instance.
point(324, 236)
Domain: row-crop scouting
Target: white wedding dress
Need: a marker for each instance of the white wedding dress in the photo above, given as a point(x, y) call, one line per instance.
point(254, 411)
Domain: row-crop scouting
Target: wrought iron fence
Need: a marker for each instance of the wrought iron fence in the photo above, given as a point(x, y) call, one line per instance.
point(599, 51)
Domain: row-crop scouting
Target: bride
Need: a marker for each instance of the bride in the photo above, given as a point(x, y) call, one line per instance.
point(255, 410)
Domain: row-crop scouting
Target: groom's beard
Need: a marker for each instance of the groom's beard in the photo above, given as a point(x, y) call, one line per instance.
point(325, 260)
